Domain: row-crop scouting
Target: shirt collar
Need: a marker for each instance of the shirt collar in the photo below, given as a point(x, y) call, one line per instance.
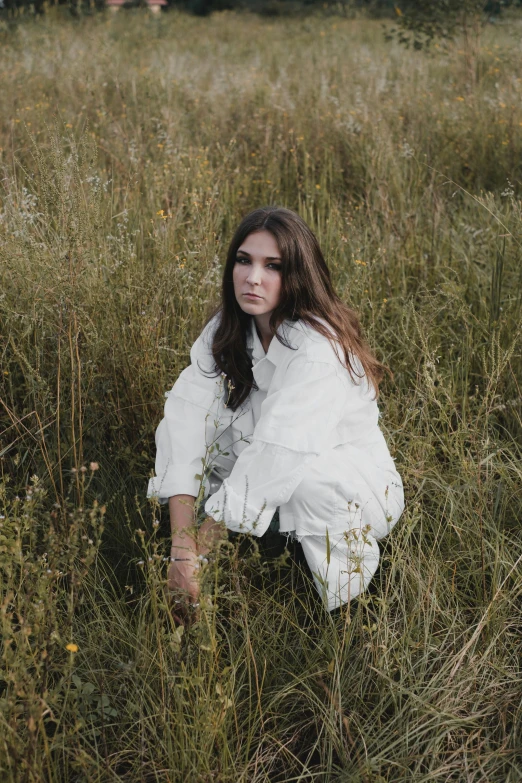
point(254, 344)
point(276, 350)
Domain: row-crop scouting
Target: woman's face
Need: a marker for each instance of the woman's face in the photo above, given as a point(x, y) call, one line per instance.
point(257, 274)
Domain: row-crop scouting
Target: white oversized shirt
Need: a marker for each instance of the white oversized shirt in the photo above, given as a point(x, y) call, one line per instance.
point(306, 417)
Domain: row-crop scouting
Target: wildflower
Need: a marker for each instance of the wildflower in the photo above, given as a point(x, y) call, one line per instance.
point(460, 98)
point(94, 466)
point(72, 647)
point(318, 187)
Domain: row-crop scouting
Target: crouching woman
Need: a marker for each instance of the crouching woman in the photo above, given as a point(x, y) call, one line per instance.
point(280, 402)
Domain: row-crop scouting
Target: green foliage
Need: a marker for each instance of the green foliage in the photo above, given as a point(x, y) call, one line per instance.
point(419, 22)
point(129, 151)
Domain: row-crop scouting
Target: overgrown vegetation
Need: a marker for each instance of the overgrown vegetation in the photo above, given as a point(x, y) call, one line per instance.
point(130, 148)
point(421, 19)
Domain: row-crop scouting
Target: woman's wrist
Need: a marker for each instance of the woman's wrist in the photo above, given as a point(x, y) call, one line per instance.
point(183, 545)
point(180, 550)
point(180, 553)
point(185, 537)
point(185, 556)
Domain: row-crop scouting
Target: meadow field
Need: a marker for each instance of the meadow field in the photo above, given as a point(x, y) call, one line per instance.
point(130, 146)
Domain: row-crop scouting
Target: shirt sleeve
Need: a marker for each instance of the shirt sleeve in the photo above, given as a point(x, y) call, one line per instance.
point(296, 423)
point(181, 434)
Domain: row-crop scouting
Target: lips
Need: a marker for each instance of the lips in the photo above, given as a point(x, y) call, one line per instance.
point(252, 296)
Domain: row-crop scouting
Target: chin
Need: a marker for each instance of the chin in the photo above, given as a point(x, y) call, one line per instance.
point(252, 308)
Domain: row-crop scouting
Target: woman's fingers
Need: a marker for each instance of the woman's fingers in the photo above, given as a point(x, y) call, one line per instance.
point(183, 575)
point(185, 614)
point(183, 583)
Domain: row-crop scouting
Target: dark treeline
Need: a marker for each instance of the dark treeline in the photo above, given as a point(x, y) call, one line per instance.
point(378, 8)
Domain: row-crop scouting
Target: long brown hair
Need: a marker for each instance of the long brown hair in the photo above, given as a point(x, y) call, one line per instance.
point(307, 294)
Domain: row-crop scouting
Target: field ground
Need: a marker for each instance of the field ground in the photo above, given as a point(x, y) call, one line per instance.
point(130, 147)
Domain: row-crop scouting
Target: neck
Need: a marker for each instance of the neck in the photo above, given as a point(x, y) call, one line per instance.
point(263, 329)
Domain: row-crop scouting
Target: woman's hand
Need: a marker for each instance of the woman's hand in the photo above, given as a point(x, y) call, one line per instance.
point(190, 545)
point(183, 575)
point(209, 535)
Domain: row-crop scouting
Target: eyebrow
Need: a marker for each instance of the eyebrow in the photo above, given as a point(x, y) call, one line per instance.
point(267, 258)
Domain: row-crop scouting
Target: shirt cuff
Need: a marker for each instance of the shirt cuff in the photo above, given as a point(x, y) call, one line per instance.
point(227, 506)
point(177, 480)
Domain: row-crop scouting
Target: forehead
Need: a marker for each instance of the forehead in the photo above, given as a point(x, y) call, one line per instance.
point(260, 243)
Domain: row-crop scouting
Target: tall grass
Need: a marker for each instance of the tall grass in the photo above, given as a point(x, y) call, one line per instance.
point(130, 148)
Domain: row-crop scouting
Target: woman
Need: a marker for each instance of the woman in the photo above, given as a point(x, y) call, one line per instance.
point(278, 406)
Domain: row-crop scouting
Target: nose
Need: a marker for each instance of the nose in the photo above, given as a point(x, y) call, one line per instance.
point(254, 275)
